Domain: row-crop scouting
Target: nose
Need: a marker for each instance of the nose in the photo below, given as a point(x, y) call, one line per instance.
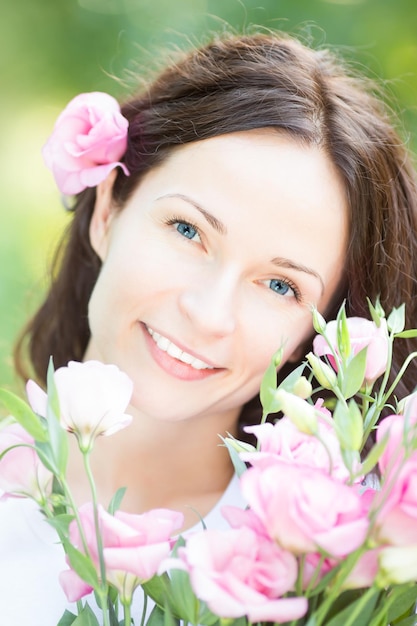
point(210, 303)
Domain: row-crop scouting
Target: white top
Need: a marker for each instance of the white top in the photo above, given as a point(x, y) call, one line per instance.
point(31, 559)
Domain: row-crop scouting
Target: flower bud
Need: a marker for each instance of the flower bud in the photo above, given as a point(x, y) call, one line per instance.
point(397, 565)
point(277, 358)
point(302, 388)
point(325, 375)
point(301, 413)
point(319, 322)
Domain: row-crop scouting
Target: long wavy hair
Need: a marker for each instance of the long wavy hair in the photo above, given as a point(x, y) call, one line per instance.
point(238, 83)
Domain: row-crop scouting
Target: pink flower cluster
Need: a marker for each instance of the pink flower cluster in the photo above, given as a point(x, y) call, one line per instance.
point(298, 505)
point(88, 141)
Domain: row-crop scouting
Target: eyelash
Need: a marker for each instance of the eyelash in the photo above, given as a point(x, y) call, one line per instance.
point(176, 219)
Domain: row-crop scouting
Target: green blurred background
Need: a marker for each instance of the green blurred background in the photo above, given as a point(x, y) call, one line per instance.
point(50, 50)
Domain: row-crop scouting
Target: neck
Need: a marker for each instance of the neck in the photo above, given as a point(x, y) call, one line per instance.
point(179, 465)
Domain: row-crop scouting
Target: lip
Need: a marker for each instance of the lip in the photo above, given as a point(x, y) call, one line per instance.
point(175, 367)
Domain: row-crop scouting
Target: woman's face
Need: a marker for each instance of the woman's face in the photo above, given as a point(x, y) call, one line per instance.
point(212, 265)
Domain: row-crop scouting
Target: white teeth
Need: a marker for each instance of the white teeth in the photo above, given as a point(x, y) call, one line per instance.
point(166, 345)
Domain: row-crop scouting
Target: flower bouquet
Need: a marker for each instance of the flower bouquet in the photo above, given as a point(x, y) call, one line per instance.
point(329, 536)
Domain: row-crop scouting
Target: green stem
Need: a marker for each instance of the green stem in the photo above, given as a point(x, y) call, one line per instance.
point(406, 363)
point(70, 499)
point(103, 591)
point(145, 606)
point(127, 614)
point(350, 621)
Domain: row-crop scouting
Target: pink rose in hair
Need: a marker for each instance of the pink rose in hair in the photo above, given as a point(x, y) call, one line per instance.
point(304, 509)
point(133, 547)
point(363, 333)
point(21, 472)
point(238, 572)
point(88, 141)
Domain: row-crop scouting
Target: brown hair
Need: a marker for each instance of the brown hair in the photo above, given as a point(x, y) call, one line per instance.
point(238, 83)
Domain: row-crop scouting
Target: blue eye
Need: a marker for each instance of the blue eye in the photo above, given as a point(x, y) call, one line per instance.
point(187, 230)
point(279, 286)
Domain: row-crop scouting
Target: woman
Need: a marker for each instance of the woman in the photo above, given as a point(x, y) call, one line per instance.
point(259, 179)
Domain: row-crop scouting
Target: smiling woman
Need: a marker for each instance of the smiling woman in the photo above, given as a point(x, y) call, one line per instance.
point(253, 179)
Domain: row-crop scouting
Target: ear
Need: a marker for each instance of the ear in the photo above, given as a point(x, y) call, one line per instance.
point(102, 216)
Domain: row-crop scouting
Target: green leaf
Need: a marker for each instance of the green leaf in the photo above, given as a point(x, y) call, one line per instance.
point(23, 414)
point(354, 374)
point(374, 455)
point(408, 621)
point(169, 619)
point(67, 619)
point(405, 599)
point(112, 613)
point(407, 334)
point(349, 425)
point(46, 456)
point(182, 598)
point(157, 588)
point(206, 617)
point(351, 459)
point(116, 500)
point(238, 464)
point(288, 383)
point(268, 386)
point(81, 564)
point(86, 618)
point(377, 312)
point(61, 523)
point(156, 617)
point(58, 439)
point(357, 613)
point(396, 320)
point(53, 400)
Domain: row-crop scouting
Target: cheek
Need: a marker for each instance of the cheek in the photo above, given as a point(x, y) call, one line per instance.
point(289, 330)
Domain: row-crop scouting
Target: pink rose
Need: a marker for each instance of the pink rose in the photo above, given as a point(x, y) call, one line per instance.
point(21, 472)
point(283, 441)
point(304, 509)
point(393, 427)
point(238, 572)
point(92, 399)
point(397, 500)
point(133, 547)
point(363, 333)
point(397, 518)
point(88, 141)
point(364, 571)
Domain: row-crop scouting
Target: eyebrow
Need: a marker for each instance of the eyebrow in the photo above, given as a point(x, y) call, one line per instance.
point(210, 218)
point(287, 263)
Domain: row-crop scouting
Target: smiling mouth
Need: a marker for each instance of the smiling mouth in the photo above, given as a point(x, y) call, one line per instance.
point(174, 351)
